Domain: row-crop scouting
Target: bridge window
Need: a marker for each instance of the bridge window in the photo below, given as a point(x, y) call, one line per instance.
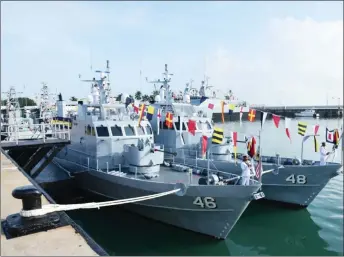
point(129, 131)
point(149, 130)
point(116, 131)
point(199, 125)
point(177, 125)
point(102, 131)
point(140, 131)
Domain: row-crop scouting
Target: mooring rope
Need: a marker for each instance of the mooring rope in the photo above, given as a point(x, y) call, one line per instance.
point(68, 207)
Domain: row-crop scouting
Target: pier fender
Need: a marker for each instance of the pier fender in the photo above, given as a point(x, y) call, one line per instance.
point(15, 225)
point(183, 188)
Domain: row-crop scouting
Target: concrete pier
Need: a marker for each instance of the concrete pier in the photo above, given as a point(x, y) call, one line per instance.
point(69, 240)
point(327, 111)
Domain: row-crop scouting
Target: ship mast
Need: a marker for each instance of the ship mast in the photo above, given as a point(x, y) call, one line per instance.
point(44, 101)
point(12, 105)
point(164, 83)
point(101, 87)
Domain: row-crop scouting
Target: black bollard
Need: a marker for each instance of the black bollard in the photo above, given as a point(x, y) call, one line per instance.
point(15, 225)
point(30, 196)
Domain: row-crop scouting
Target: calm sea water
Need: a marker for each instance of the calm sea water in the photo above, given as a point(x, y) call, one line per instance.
point(264, 229)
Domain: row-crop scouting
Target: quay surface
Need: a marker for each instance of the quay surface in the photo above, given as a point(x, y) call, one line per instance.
point(69, 240)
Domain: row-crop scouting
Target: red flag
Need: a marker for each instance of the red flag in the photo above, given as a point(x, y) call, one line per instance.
point(204, 145)
point(316, 128)
point(136, 109)
point(287, 121)
point(252, 115)
point(211, 106)
point(169, 120)
point(192, 127)
point(276, 119)
point(235, 138)
point(251, 147)
point(336, 137)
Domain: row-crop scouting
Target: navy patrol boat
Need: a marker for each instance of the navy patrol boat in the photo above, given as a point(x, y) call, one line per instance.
point(177, 136)
point(284, 179)
point(113, 154)
point(297, 183)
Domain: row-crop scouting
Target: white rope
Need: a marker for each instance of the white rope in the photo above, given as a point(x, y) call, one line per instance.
point(67, 207)
point(271, 170)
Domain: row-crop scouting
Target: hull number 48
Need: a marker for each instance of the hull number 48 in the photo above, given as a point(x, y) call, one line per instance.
point(298, 179)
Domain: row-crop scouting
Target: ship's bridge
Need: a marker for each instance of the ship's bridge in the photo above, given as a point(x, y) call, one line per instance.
point(120, 129)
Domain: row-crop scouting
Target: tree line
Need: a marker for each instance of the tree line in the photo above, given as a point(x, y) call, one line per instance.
point(26, 101)
point(23, 101)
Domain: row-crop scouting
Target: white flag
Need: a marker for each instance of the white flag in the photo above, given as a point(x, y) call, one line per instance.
point(241, 115)
point(263, 118)
point(180, 129)
point(158, 121)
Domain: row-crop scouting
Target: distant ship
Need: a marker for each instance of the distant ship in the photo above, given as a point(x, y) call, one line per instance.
point(307, 113)
point(206, 96)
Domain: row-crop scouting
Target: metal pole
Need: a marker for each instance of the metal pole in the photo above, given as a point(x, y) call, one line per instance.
point(17, 134)
point(302, 151)
point(88, 163)
point(107, 167)
point(190, 174)
point(196, 158)
point(208, 168)
point(260, 155)
point(43, 127)
point(97, 164)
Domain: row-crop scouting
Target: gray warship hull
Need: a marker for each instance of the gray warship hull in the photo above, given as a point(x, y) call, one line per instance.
point(293, 184)
point(179, 211)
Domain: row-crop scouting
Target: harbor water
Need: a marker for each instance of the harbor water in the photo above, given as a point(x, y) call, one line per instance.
point(266, 228)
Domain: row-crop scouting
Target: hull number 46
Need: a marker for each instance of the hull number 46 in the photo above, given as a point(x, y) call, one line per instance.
point(298, 179)
point(205, 202)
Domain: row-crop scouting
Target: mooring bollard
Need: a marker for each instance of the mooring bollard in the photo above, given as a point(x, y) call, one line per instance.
point(30, 196)
point(15, 225)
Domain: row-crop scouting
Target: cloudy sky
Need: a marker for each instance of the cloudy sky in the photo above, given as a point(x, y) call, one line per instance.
point(277, 53)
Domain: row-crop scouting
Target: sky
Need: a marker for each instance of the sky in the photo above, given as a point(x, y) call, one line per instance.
point(272, 53)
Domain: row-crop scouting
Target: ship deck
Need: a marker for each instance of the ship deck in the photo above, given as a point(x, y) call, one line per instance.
point(170, 175)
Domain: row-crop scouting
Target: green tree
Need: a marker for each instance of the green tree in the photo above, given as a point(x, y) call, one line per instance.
point(23, 101)
point(145, 98)
point(155, 92)
point(152, 96)
point(138, 95)
point(118, 98)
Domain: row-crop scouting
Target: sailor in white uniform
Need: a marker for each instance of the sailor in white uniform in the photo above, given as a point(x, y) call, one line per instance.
point(323, 154)
point(245, 174)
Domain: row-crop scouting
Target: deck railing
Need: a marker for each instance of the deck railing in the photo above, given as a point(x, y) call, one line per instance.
point(43, 131)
